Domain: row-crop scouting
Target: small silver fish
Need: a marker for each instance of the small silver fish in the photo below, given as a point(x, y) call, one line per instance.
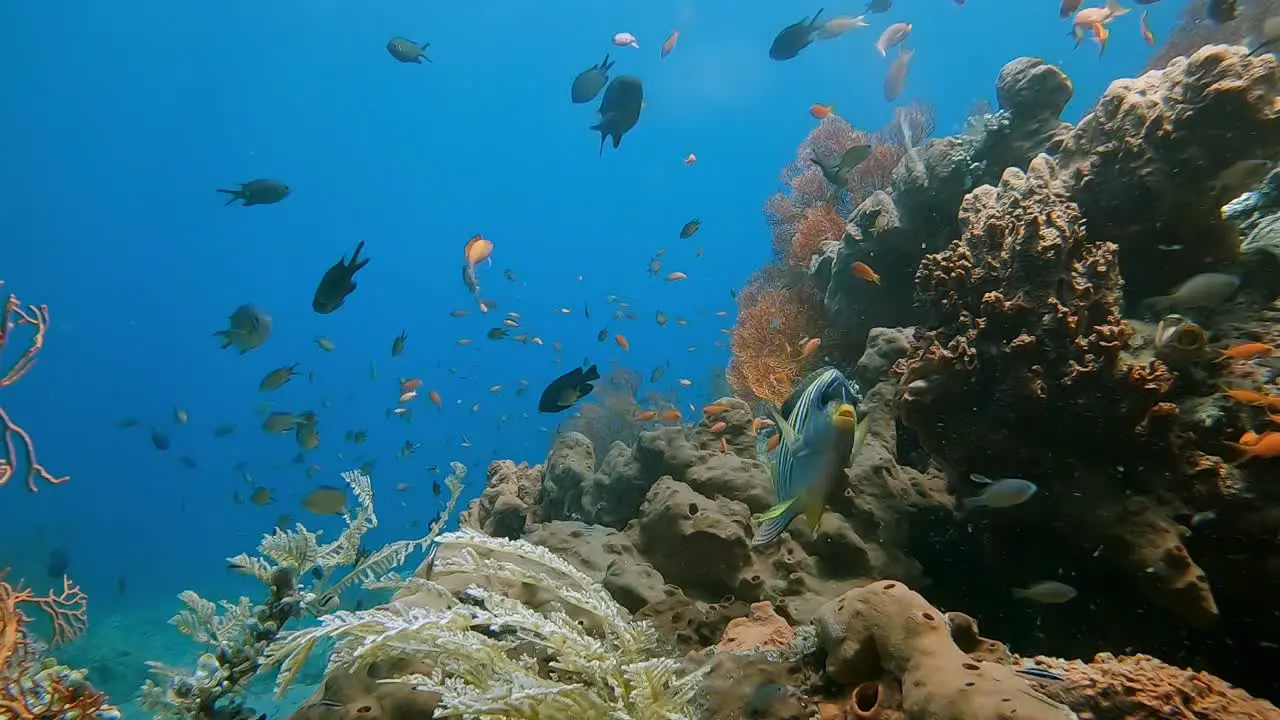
point(1049, 592)
point(1002, 493)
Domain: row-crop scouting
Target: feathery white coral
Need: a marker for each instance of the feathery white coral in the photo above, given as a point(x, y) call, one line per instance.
point(495, 657)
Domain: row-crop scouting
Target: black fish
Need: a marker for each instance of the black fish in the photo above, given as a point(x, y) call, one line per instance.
point(338, 282)
point(408, 51)
point(690, 228)
point(1221, 11)
point(602, 335)
point(620, 109)
point(568, 389)
point(258, 192)
point(591, 81)
point(879, 6)
point(159, 439)
point(794, 38)
point(57, 564)
point(838, 174)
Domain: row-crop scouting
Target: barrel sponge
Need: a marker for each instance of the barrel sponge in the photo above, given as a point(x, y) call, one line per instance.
point(888, 628)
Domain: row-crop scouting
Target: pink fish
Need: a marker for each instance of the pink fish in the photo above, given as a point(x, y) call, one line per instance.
point(626, 40)
point(896, 78)
point(892, 35)
point(670, 44)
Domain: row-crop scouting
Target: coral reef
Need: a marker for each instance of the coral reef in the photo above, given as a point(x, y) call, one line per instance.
point(34, 685)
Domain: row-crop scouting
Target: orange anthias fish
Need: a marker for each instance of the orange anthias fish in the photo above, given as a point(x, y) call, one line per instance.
point(647, 415)
point(1249, 438)
point(718, 427)
point(1247, 351)
point(821, 112)
point(675, 276)
point(1267, 446)
point(864, 271)
point(435, 398)
point(670, 44)
point(810, 347)
point(715, 409)
point(622, 342)
point(477, 250)
point(1147, 35)
point(674, 416)
point(1253, 397)
point(1085, 20)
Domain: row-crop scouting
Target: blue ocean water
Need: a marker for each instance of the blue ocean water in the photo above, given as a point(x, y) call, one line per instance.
point(121, 119)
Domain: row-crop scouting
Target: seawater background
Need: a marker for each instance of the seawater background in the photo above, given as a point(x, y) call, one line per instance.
point(120, 119)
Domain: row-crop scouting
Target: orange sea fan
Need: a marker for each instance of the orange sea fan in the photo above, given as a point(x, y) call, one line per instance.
point(819, 224)
point(765, 361)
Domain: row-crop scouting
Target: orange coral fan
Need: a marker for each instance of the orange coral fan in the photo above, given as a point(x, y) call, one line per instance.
point(772, 321)
point(38, 318)
point(22, 695)
point(820, 223)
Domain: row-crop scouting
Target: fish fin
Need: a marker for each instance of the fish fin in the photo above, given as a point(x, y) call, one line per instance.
point(981, 479)
point(235, 195)
point(812, 506)
point(789, 435)
point(1116, 8)
point(814, 21)
point(773, 522)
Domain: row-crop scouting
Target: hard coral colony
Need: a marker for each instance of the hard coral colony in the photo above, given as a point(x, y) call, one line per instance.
point(1032, 367)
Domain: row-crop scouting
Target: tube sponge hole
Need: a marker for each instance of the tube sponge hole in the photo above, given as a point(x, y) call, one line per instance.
point(866, 700)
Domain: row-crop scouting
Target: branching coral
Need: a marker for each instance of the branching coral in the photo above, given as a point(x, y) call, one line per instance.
point(773, 320)
point(239, 638)
point(37, 317)
point(495, 657)
point(32, 685)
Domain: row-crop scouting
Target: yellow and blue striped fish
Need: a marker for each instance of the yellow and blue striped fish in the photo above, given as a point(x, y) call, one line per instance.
point(812, 446)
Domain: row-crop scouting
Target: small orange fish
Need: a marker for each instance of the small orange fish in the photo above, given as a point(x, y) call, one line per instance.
point(691, 160)
point(772, 442)
point(1100, 35)
point(477, 250)
point(718, 427)
point(1247, 351)
point(1147, 35)
point(1250, 438)
point(1267, 446)
point(670, 44)
point(821, 112)
point(715, 409)
point(647, 415)
point(435, 398)
point(724, 445)
point(673, 277)
point(410, 385)
point(895, 79)
point(864, 271)
point(671, 416)
point(622, 342)
point(809, 348)
point(1253, 397)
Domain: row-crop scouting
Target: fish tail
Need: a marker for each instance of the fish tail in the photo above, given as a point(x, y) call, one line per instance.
point(225, 336)
point(235, 195)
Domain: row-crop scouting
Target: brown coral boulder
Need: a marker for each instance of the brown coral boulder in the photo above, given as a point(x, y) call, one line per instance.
point(1145, 160)
point(677, 524)
point(886, 628)
point(508, 505)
